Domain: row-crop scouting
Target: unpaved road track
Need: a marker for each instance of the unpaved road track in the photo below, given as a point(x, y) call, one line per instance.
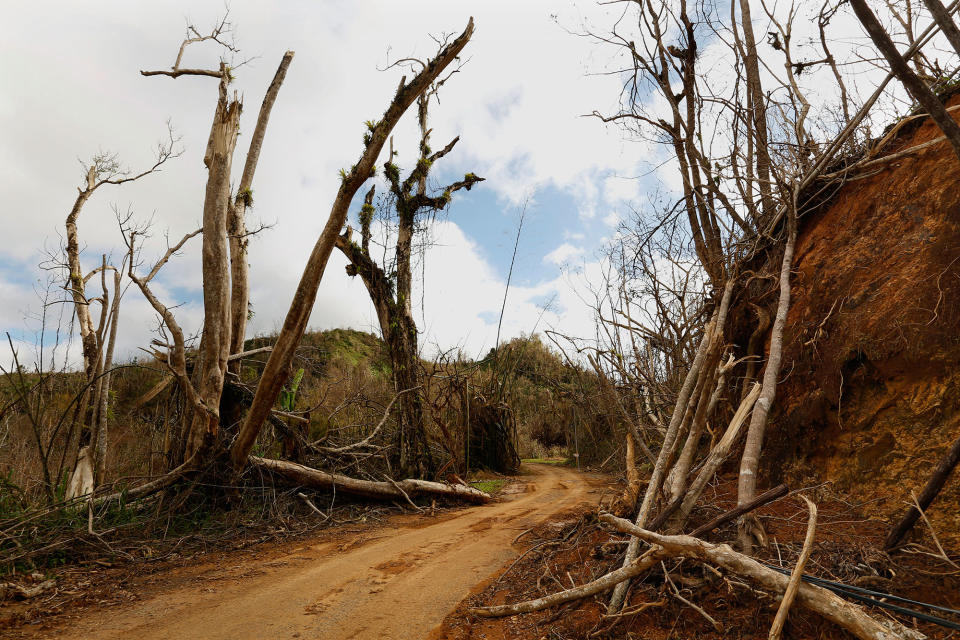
point(399, 585)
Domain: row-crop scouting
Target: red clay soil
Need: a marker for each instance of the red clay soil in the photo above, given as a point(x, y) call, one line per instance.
point(574, 549)
point(870, 396)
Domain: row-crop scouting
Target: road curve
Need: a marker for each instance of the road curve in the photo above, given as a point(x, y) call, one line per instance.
point(398, 586)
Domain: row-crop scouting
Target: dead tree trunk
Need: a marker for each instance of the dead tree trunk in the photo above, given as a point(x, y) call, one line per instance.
point(101, 433)
point(392, 297)
point(240, 287)
point(277, 368)
point(95, 343)
point(215, 265)
point(756, 106)
point(626, 503)
point(817, 599)
point(402, 490)
point(945, 22)
point(750, 461)
point(237, 233)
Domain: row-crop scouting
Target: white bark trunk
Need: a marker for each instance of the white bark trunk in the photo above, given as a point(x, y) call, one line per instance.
point(750, 462)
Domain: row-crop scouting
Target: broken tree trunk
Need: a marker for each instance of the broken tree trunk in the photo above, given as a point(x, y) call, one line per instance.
point(276, 371)
point(716, 457)
point(399, 490)
point(626, 503)
point(930, 490)
point(215, 266)
point(817, 599)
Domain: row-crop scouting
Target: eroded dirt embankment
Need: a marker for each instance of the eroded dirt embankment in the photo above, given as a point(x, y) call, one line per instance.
point(870, 397)
point(397, 582)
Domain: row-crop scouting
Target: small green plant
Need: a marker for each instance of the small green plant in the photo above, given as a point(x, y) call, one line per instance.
point(246, 197)
point(288, 397)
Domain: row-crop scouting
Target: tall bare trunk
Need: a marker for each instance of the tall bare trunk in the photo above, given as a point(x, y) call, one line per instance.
point(239, 279)
point(101, 434)
point(215, 263)
point(945, 22)
point(81, 481)
point(756, 104)
point(750, 462)
point(278, 365)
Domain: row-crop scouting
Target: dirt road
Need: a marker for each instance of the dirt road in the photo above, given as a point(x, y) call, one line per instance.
point(398, 584)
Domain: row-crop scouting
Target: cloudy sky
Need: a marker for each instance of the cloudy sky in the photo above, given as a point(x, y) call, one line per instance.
point(72, 87)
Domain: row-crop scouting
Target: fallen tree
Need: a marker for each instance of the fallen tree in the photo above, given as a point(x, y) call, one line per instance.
point(817, 599)
point(386, 490)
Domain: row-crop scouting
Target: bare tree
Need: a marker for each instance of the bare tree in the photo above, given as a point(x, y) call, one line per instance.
point(391, 290)
point(97, 338)
point(277, 368)
point(223, 254)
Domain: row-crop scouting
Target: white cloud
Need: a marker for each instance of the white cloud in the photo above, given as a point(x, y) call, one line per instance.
point(73, 88)
point(563, 254)
point(516, 106)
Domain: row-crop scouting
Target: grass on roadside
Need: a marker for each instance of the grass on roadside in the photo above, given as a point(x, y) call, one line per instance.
point(565, 462)
point(489, 486)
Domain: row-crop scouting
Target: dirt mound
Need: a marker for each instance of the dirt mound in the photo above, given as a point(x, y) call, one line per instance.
point(870, 397)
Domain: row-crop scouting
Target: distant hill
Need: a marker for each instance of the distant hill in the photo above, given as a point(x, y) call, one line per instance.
point(343, 347)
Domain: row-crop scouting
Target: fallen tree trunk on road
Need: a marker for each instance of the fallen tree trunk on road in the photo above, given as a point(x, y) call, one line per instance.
point(400, 490)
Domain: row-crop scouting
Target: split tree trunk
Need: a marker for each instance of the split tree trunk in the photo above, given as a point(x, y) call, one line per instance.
point(215, 264)
point(625, 505)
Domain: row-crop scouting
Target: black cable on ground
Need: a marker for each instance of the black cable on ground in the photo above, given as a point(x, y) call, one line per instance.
point(865, 596)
